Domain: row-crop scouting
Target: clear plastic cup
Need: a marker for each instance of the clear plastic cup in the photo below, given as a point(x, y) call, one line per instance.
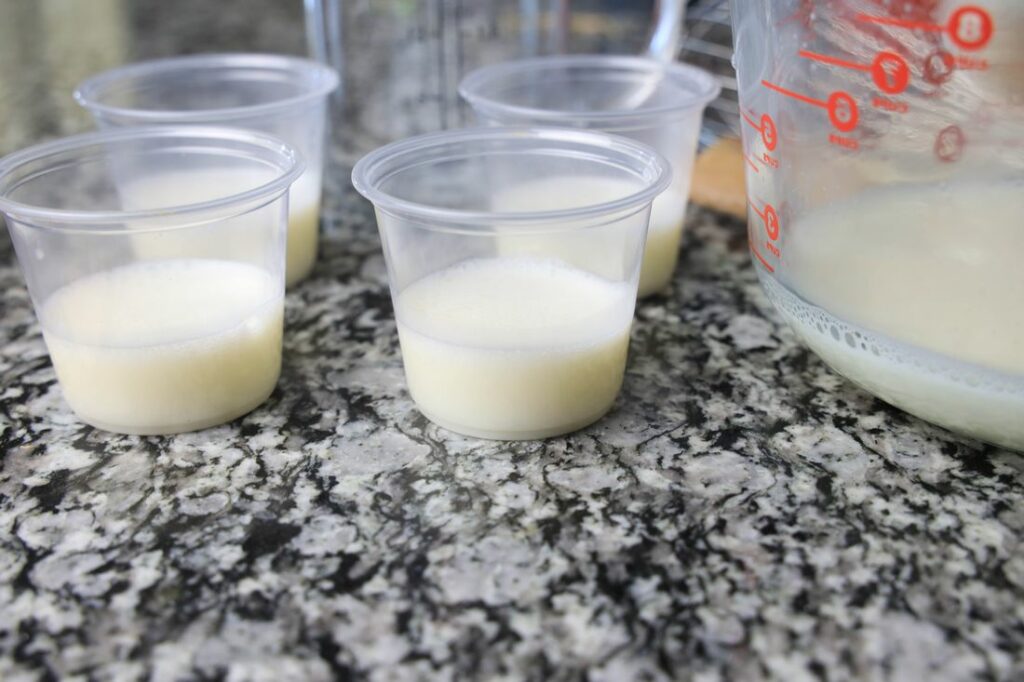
point(655, 103)
point(161, 313)
point(283, 96)
point(513, 288)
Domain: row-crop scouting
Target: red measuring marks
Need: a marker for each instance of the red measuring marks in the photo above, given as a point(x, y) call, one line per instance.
point(842, 109)
point(750, 162)
point(770, 217)
point(969, 27)
point(764, 261)
point(949, 144)
point(889, 71)
point(769, 133)
point(938, 67)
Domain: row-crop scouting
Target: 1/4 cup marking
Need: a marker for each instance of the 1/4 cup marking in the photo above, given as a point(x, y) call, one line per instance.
point(772, 228)
point(769, 133)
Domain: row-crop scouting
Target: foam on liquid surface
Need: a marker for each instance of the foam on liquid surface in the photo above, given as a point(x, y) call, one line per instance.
point(166, 346)
point(917, 295)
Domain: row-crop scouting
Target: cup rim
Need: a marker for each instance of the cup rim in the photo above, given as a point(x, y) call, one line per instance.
point(90, 92)
point(471, 85)
point(291, 166)
point(370, 170)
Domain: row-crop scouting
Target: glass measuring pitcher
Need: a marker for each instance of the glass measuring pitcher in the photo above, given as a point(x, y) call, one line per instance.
point(884, 145)
point(401, 60)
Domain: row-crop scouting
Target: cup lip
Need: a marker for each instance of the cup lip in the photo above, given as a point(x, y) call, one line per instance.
point(291, 167)
point(89, 93)
point(366, 181)
point(471, 85)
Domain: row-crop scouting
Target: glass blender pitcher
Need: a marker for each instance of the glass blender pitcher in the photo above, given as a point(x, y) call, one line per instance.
point(401, 60)
point(884, 146)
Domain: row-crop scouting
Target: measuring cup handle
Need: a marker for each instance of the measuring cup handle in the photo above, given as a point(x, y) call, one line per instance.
point(667, 36)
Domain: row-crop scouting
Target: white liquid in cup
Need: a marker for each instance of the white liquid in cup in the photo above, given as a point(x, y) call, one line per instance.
point(661, 252)
point(303, 227)
point(514, 348)
point(236, 241)
point(166, 346)
point(933, 269)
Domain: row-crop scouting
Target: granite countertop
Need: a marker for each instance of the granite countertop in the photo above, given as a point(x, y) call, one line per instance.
point(743, 513)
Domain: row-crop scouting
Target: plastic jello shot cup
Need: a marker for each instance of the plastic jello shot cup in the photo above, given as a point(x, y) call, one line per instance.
point(513, 303)
point(161, 314)
point(283, 96)
point(649, 101)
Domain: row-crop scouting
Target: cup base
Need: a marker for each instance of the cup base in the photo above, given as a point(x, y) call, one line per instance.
point(171, 429)
point(499, 435)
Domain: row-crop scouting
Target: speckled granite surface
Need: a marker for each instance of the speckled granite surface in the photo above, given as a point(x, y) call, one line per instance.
point(742, 514)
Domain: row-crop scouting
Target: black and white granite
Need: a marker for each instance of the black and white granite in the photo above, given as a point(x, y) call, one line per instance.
point(743, 513)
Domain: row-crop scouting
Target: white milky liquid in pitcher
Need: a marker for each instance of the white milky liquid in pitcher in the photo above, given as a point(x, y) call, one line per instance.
point(166, 346)
point(514, 348)
point(924, 290)
point(665, 230)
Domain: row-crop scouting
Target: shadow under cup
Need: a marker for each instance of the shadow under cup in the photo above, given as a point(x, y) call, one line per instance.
point(513, 257)
point(161, 307)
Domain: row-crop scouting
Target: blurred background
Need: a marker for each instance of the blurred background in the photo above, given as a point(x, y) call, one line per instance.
point(48, 46)
point(406, 49)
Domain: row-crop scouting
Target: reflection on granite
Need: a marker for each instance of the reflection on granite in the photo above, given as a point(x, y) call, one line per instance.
point(743, 513)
